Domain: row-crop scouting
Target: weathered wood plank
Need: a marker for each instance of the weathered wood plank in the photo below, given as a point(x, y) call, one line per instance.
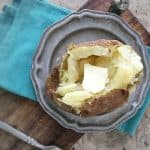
point(29, 117)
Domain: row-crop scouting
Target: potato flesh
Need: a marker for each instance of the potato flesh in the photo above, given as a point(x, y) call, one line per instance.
point(122, 62)
point(131, 57)
point(82, 53)
point(67, 88)
point(73, 73)
point(76, 98)
point(85, 52)
point(90, 60)
point(122, 78)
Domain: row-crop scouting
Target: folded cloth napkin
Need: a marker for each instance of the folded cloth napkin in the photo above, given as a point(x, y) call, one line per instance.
point(22, 24)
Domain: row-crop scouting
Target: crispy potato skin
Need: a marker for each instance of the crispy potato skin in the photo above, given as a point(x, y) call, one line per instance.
point(103, 104)
point(106, 103)
point(51, 86)
point(101, 42)
point(53, 80)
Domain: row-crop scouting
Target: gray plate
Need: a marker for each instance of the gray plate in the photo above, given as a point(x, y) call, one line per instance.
point(79, 27)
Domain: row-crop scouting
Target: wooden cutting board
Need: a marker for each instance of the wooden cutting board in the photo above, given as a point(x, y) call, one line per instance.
point(29, 117)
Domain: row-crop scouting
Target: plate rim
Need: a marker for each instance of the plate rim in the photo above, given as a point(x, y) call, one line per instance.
point(58, 117)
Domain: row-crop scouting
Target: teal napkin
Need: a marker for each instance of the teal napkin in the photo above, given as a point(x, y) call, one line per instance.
point(22, 24)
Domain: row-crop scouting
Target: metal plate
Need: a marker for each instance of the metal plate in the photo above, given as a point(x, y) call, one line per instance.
point(79, 27)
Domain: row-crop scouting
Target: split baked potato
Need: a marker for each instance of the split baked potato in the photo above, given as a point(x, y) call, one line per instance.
point(94, 77)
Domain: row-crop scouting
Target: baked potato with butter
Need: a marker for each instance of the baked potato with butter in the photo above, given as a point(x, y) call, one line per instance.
point(94, 77)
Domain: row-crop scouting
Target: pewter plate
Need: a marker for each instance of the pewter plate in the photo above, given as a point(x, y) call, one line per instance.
point(79, 27)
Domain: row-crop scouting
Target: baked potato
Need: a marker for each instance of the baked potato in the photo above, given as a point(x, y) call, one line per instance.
point(94, 77)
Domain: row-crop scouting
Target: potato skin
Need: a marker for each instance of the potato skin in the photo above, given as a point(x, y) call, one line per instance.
point(103, 104)
point(101, 42)
point(106, 103)
point(51, 86)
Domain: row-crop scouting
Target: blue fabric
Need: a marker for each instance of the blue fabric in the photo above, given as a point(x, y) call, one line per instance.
point(21, 26)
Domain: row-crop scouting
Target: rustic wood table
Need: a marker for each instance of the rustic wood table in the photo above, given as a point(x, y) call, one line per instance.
point(28, 116)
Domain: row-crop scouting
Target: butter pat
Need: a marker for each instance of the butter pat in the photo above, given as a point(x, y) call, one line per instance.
point(95, 78)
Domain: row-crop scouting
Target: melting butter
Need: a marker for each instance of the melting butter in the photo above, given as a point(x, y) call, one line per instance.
point(95, 78)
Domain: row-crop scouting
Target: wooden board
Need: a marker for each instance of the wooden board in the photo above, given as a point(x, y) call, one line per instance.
point(29, 117)
point(103, 5)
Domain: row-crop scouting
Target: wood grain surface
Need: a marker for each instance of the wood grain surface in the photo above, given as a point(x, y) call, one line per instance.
point(28, 116)
point(103, 5)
